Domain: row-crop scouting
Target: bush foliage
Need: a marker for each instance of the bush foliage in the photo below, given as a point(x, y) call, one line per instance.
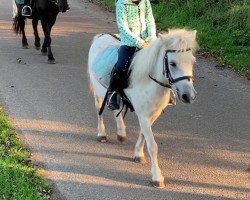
point(18, 179)
point(223, 26)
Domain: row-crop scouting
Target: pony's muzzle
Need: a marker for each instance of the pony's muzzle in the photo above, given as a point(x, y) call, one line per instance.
point(186, 93)
point(185, 98)
point(188, 98)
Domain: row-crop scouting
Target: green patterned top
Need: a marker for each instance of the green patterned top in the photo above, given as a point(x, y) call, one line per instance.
point(135, 23)
point(21, 1)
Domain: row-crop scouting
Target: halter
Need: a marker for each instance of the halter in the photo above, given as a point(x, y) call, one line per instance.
point(166, 71)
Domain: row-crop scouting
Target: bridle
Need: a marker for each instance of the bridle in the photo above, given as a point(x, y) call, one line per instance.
point(167, 73)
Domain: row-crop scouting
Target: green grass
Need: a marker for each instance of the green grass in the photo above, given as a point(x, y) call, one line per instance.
point(18, 178)
point(223, 26)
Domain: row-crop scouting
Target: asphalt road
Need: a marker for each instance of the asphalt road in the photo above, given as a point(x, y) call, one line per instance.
point(203, 148)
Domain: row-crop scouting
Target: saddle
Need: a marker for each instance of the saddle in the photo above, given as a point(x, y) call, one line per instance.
point(102, 68)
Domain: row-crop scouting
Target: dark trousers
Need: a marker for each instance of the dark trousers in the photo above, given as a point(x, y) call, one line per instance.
point(125, 54)
point(119, 75)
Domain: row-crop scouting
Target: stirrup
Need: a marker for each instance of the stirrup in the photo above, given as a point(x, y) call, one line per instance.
point(109, 100)
point(26, 11)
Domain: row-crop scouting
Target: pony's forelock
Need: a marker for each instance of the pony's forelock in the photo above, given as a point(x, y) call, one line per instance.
point(180, 39)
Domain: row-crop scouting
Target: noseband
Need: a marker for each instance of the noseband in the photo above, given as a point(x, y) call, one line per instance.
point(166, 70)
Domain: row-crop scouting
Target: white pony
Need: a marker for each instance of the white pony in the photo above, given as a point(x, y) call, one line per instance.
point(167, 63)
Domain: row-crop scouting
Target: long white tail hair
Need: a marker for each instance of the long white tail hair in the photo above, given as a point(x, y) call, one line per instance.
point(15, 11)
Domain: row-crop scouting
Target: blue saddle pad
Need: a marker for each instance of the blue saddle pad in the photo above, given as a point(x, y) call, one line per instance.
point(20, 1)
point(104, 63)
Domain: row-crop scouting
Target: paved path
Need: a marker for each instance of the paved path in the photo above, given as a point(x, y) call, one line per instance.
point(203, 148)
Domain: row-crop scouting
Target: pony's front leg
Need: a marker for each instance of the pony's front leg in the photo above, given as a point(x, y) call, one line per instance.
point(139, 149)
point(157, 178)
point(121, 128)
point(47, 40)
point(101, 135)
point(21, 21)
point(37, 38)
point(44, 48)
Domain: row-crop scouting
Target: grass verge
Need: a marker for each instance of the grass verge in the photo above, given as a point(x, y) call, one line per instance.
point(18, 179)
point(223, 27)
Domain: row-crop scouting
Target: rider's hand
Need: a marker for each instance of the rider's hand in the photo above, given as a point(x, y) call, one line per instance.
point(144, 45)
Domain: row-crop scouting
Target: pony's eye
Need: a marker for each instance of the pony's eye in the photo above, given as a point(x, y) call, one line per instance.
point(173, 64)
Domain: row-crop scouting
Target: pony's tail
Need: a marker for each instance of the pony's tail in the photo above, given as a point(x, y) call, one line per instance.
point(16, 26)
point(16, 19)
point(15, 9)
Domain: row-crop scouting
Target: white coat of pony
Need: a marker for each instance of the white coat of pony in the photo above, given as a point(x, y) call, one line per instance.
point(149, 98)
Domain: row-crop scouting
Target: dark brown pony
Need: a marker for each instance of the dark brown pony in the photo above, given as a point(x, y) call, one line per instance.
point(46, 11)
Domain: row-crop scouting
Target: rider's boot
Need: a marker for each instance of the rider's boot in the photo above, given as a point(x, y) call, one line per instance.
point(113, 95)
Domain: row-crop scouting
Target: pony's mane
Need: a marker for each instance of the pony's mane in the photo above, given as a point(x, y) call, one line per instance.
point(175, 39)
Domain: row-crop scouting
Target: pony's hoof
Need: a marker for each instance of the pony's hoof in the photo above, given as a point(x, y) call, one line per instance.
point(51, 61)
point(25, 46)
point(102, 139)
point(37, 45)
point(139, 159)
point(157, 184)
point(121, 138)
point(44, 52)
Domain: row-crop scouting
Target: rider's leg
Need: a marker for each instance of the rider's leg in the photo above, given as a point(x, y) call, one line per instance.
point(119, 75)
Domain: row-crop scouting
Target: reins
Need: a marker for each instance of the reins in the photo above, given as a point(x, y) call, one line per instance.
point(160, 83)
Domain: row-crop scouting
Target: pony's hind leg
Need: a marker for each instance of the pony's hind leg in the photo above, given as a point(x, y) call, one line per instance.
point(21, 22)
point(101, 135)
point(139, 149)
point(37, 38)
point(121, 128)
